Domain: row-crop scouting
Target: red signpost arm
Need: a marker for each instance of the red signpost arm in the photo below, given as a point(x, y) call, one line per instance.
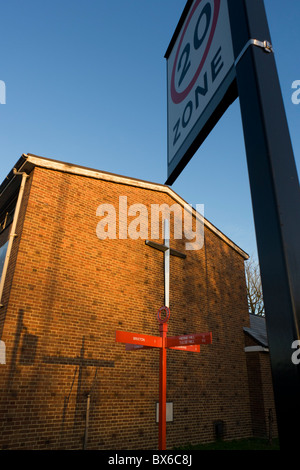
point(200, 338)
point(135, 347)
point(190, 348)
point(135, 342)
point(136, 338)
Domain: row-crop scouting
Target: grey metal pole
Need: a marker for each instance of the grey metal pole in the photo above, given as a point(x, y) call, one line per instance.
point(276, 203)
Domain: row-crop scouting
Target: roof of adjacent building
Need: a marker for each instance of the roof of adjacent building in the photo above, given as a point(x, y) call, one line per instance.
point(258, 330)
point(27, 162)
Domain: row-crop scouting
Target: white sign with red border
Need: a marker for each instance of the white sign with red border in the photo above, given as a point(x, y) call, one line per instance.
point(200, 69)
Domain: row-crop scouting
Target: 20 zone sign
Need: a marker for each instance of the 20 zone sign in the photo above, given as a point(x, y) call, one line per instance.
point(200, 71)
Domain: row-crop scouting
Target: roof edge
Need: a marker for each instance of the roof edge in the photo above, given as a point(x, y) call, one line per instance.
point(178, 28)
point(28, 161)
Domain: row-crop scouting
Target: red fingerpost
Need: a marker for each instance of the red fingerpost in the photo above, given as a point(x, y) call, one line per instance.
point(136, 342)
point(163, 329)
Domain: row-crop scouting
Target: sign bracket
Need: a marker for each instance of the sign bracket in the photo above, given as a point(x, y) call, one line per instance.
point(266, 45)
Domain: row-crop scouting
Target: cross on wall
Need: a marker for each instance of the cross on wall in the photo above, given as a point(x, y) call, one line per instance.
point(168, 252)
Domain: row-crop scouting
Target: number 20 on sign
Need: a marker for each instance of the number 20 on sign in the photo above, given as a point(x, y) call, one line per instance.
point(200, 67)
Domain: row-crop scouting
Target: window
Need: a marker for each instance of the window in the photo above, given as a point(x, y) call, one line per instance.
point(3, 250)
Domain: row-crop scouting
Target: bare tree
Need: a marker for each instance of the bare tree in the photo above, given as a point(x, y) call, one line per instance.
point(254, 288)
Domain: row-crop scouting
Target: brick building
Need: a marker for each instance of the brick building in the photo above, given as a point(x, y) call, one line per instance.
point(64, 381)
point(263, 414)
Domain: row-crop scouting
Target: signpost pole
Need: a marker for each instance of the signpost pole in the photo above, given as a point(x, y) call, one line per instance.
point(183, 343)
point(163, 328)
point(276, 203)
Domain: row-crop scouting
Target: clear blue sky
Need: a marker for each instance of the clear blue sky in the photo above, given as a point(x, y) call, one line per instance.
point(86, 84)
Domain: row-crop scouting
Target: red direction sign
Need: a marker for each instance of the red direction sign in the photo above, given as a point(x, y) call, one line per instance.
point(138, 347)
point(200, 338)
point(136, 341)
point(135, 338)
point(190, 348)
point(135, 347)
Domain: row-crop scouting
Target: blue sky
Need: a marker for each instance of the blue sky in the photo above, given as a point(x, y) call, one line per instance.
point(86, 83)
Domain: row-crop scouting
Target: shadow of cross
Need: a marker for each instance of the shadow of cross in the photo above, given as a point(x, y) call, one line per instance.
point(165, 247)
point(81, 362)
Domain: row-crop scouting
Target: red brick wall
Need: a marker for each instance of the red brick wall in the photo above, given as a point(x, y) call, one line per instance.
point(261, 392)
point(70, 291)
